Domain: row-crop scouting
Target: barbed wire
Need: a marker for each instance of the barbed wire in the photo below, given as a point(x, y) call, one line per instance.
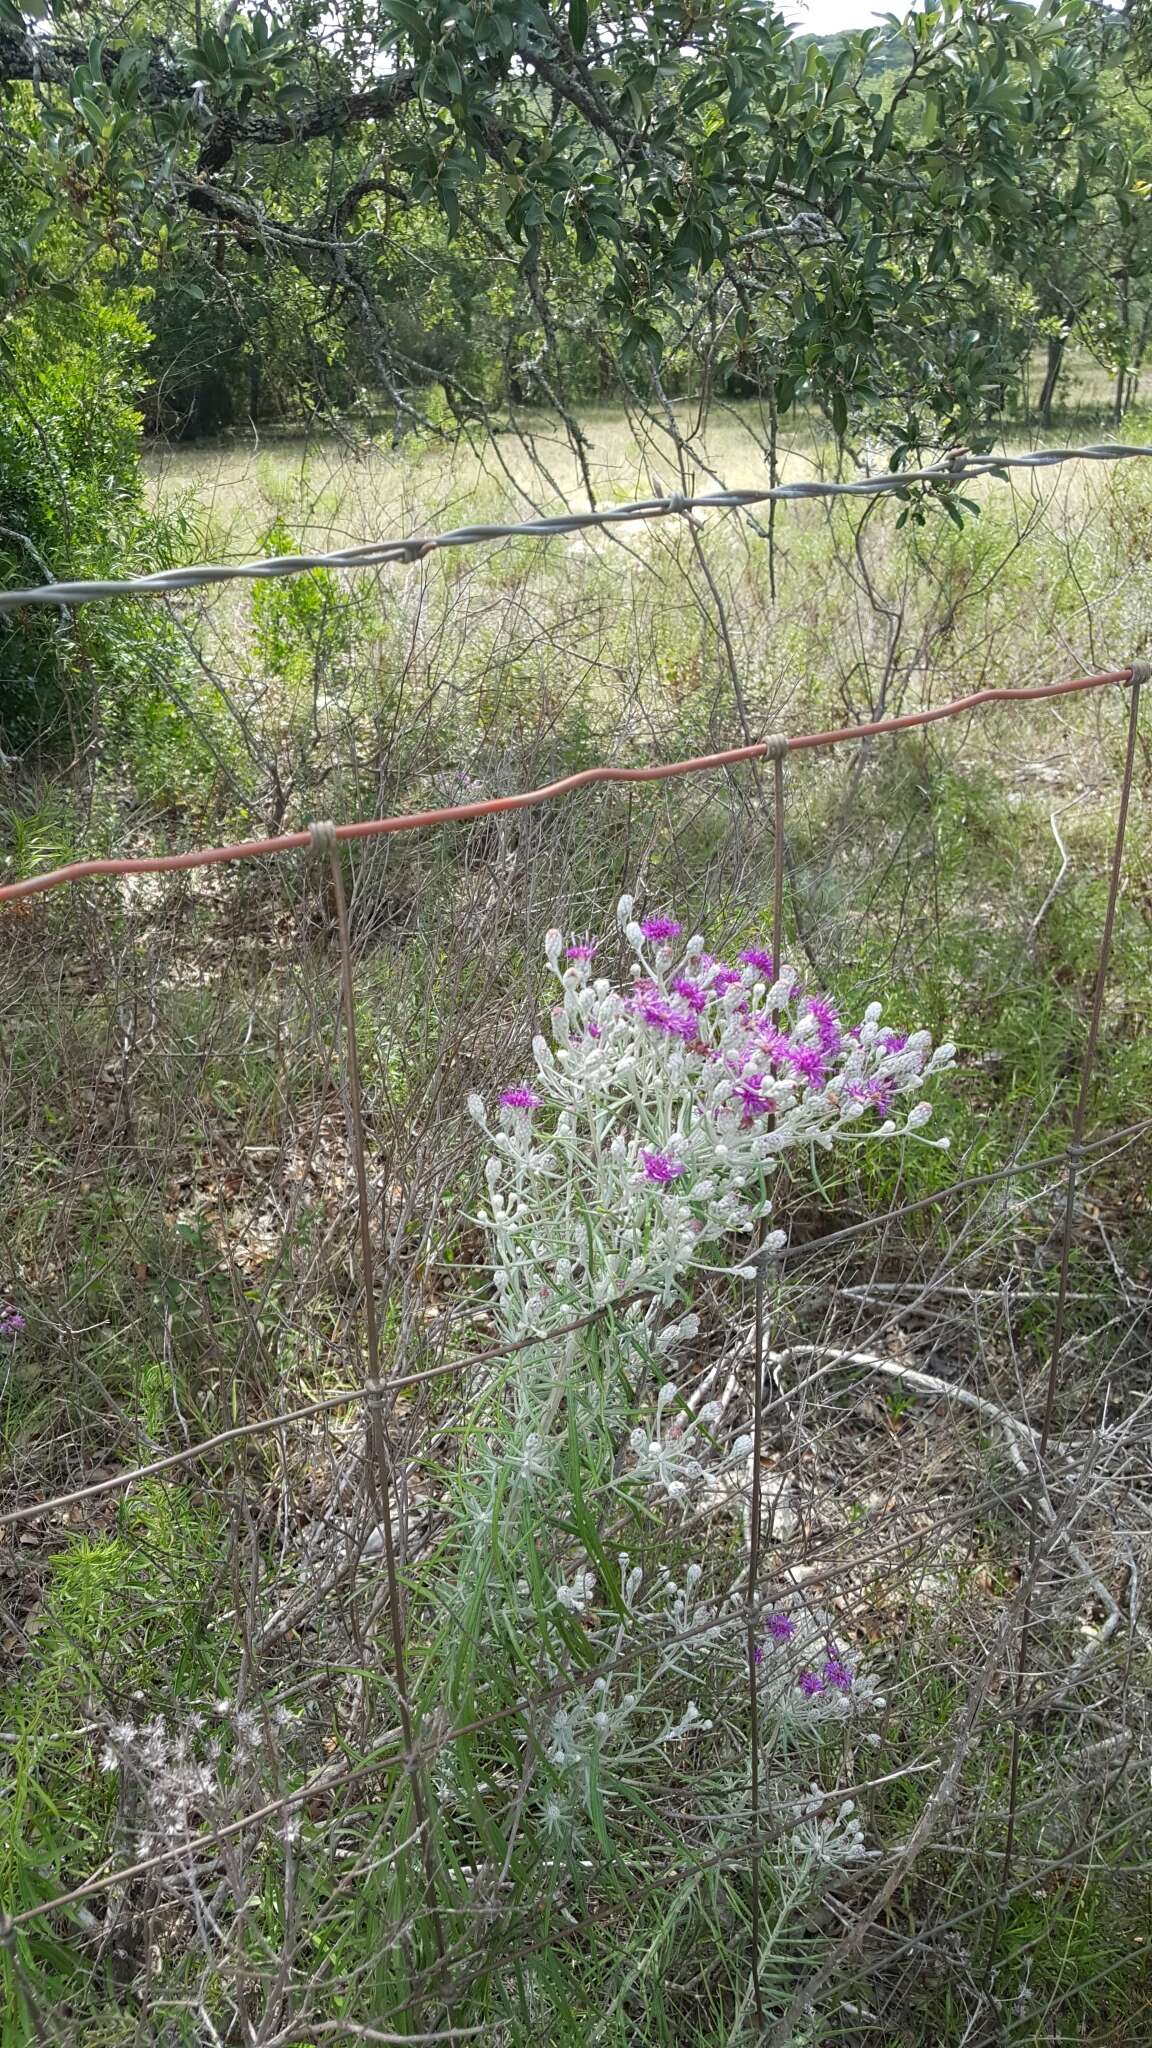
point(489, 807)
point(414, 547)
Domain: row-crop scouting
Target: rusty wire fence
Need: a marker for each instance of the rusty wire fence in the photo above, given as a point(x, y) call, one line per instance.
point(261, 1360)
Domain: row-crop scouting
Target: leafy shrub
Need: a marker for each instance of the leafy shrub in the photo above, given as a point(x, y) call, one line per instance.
point(72, 506)
point(308, 628)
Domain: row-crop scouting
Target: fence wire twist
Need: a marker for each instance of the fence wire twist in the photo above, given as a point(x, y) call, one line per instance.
point(416, 547)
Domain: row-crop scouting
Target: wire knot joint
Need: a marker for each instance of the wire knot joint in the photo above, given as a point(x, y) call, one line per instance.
point(1140, 672)
point(323, 838)
point(775, 746)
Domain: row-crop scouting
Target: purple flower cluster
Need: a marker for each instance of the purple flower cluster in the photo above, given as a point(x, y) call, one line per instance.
point(805, 1060)
point(768, 1057)
point(753, 1098)
point(829, 1036)
point(662, 1015)
point(519, 1098)
point(834, 1672)
point(11, 1322)
point(694, 993)
point(732, 1065)
point(808, 1049)
point(661, 1167)
point(755, 956)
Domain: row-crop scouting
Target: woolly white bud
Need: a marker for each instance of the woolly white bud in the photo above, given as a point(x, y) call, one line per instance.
point(476, 1110)
point(624, 910)
point(553, 941)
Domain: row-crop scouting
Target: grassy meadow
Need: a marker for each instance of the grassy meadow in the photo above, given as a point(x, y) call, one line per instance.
point(955, 1853)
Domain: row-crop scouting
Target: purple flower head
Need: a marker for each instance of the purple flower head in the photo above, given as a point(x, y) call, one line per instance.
point(892, 1041)
point(781, 1627)
point(593, 1030)
point(656, 1010)
point(836, 1673)
point(690, 992)
point(584, 950)
point(755, 956)
point(757, 1654)
point(660, 1167)
point(828, 1034)
point(874, 1094)
point(810, 1685)
point(723, 977)
point(752, 1097)
point(519, 1098)
point(11, 1322)
point(803, 1059)
point(661, 929)
point(808, 1062)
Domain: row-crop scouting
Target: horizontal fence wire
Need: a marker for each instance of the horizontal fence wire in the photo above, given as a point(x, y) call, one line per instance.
point(964, 468)
point(489, 807)
point(498, 1354)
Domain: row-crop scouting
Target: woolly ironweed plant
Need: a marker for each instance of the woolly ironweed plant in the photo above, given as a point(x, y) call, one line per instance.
point(596, 1504)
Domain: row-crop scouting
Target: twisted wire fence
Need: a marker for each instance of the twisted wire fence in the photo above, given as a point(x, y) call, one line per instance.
point(584, 778)
point(415, 1741)
point(961, 467)
point(355, 1322)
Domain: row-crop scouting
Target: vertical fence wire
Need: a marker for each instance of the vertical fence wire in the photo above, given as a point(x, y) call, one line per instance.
point(775, 749)
point(1141, 671)
point(382, 1478)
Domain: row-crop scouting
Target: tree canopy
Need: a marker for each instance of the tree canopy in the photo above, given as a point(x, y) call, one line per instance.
point(546, 197)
